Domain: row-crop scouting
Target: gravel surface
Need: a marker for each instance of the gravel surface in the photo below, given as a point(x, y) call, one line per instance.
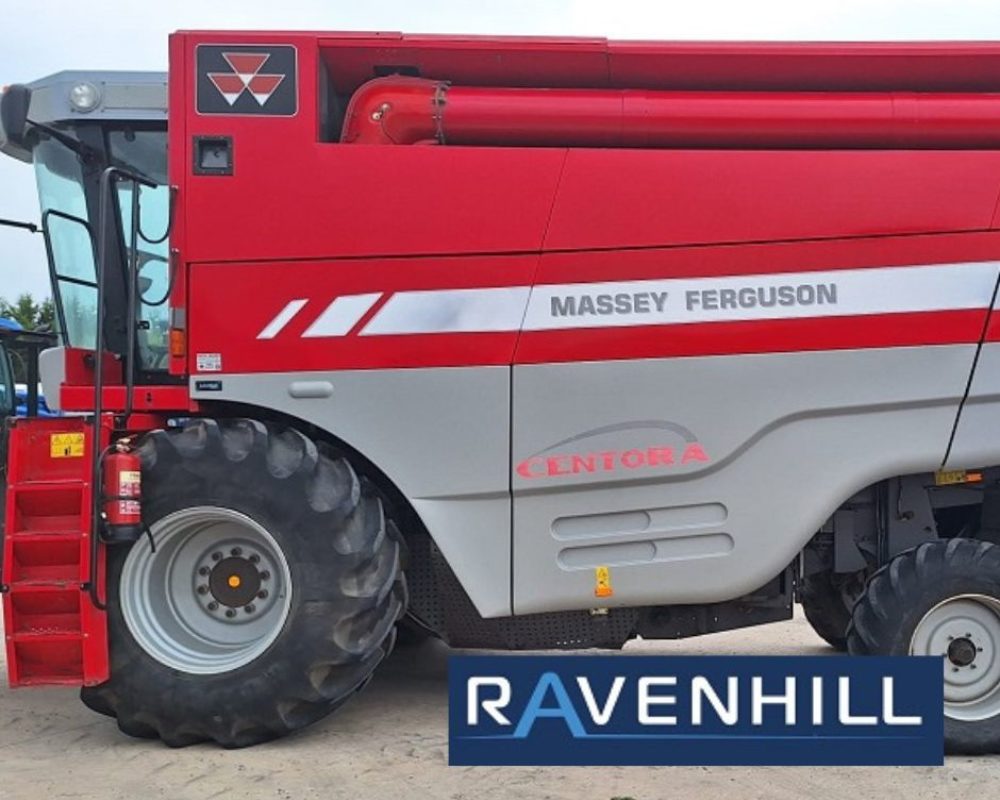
point(392, 743)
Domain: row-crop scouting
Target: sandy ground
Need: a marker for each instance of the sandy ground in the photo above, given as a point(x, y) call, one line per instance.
point(392, 743)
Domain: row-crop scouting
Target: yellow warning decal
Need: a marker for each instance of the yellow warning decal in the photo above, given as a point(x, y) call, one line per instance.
point(602, 582)
point(951, 477)
point(66, 445)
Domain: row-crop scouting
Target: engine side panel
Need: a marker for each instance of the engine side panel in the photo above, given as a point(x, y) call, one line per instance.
point(697, 480)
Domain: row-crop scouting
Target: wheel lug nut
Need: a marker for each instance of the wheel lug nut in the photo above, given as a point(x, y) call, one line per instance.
point(255, 559)
point(265, 575)
point(204, 571)
point(202, 589)
point(236, 551)
point(250, 608)
point(216, 556)
point(213, 606)
point(230, 613)
point(262, 594)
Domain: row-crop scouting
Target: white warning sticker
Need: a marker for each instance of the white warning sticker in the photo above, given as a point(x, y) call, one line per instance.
point(209, 362)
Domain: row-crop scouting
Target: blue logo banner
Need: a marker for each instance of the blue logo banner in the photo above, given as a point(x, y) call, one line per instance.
point(629, 710)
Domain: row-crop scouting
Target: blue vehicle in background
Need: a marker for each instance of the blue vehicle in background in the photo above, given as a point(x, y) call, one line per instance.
point(8, 389)
point(15, 400)
point(21, 399)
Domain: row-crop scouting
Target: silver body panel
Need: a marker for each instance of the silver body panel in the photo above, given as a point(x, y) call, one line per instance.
point(442, 436)
point(787, 437)
point(977, 435)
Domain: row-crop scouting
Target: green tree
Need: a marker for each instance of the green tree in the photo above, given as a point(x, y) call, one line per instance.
point(47, 315)
point(29, 313)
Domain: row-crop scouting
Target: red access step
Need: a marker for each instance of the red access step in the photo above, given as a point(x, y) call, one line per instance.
point(55, 635)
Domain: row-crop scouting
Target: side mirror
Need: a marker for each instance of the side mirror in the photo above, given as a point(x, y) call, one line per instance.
point(14, 105)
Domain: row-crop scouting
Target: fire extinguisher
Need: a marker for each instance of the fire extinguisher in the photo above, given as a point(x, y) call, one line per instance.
point(122, 494)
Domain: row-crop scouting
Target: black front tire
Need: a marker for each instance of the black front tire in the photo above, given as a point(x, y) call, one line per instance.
point(348, 589)
point(902, 593)
point(411, 632)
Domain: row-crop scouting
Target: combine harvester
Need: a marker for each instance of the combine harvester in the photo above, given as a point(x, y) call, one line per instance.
point(534, 342)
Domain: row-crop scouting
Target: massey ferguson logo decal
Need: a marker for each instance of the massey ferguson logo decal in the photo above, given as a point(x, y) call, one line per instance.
point(246, 77)
point(242, 80)
point(567, 458)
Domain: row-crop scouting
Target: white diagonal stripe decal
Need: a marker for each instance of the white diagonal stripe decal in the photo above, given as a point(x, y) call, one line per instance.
point(276, 325)
point(342, 315)
point(451, 311)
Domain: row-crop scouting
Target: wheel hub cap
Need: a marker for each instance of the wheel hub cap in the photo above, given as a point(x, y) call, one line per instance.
point(234, 582)
point(213, 595)
point(962, 652)
point(965, 632)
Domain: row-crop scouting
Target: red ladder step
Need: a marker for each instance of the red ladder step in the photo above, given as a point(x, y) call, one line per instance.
point(55, 635)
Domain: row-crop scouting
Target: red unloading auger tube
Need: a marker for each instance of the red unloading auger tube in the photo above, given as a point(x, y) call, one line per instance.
point(404, 110)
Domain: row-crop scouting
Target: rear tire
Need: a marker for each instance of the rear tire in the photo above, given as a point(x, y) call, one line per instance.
point(942, 599)
point(200, 661)
point(827, 605)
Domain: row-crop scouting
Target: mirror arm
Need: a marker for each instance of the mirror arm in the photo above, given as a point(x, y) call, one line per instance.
point(31, 227)
point(86, 152)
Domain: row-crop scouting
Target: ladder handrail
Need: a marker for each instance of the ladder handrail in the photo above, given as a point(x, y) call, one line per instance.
point(97, 451)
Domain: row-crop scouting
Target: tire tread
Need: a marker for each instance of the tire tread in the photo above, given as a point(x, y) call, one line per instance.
point(349, 632)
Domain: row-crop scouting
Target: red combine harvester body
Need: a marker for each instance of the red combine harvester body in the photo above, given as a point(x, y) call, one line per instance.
point(578, 340)
point(518, 215)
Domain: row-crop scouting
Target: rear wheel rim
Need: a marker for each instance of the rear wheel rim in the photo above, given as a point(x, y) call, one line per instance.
point(213, 596)
point(965, 632)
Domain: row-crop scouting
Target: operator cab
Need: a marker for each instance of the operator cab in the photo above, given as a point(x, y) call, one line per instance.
point(72, 126)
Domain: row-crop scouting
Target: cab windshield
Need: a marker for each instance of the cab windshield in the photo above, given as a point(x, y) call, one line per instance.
point(69, 215)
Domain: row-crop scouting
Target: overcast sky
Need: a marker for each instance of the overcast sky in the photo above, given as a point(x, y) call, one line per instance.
point(46, 36)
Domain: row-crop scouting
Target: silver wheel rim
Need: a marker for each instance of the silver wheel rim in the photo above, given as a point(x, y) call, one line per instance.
point(213, 596)
point(965, 630)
